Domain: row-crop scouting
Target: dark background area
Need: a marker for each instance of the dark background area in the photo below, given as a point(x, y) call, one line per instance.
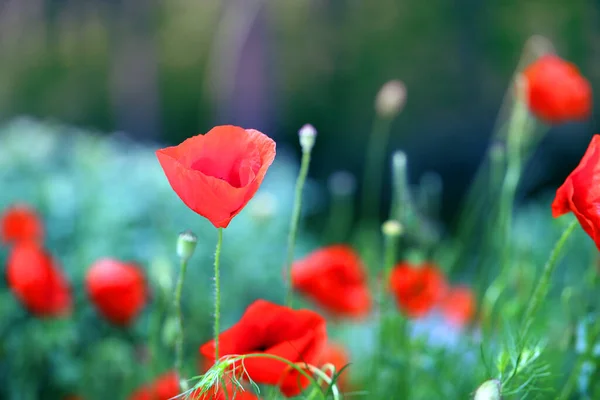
point(162, 71)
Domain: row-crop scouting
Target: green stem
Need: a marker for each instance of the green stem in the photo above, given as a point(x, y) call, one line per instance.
point(179, 337)
point(374, 167)
point(390, 249)
point(541, 290)
point(516, 130)
point(217, 292)
point(295, 219)
point(340, 219)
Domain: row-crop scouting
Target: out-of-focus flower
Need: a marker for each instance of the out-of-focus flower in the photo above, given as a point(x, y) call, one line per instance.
point(458, 305)
point(20, 222)
point(295, 335)
point(216, 174)
point(556, 91)
point(580, 193)
point(166, 387)
point(37, 281)
point(334, 278)
point(336, 355)
point(391, 99)
point(117, 289)
point(417, 288)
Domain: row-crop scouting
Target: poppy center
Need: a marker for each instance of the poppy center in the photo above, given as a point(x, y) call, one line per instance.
point(238, 173)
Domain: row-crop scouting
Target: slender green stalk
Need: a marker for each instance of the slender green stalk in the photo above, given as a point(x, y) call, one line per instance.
point(401, 205)
point(543, 286)
point(516, 129)
point(217, 292)
point(374, 166)
point(340, 219)
point(179, 337)
point(295, 220)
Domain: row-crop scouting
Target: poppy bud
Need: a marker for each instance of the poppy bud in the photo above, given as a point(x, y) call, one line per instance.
point(186, 244)
point(307, 134)
point(489, 390)
point(341, 184)
point(390, 99)
point(392, 228)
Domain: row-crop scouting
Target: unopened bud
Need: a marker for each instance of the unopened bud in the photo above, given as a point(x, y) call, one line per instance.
point(489, 390)
point(342, 184)
point(390, 99)
point(307, 134)
point(263, 206)
point(186, 244)
point(392, 228)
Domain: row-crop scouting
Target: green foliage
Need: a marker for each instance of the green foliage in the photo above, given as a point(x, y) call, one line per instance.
point(106, 197)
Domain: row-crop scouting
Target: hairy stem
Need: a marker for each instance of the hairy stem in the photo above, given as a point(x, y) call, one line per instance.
point(217, 292)
point(179, 337)
point(295, 220)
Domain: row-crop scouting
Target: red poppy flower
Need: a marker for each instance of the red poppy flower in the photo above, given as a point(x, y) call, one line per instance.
point(580, 193)
point(218, 173)
point(417, 288)
point(117, 289)
point(458, 306)
point(166, 387)
point(37, 281)
point(334, 278)
point(336, 355)
point(556, 90)
point(20, 222)
point(295, 335)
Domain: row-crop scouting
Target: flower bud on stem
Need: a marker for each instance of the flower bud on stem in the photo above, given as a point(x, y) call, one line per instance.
point(186, 244)
point(388, 104)
point(489, 390)
point(307, 136)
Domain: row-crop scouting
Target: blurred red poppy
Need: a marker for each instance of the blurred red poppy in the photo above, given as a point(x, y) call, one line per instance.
point(417, 288)
point(117, 289)
point(295, 335)
point(20, 222)
point(557, 92)
point(334, 278)
point(216, 174)
point(336, 355)
point(580, 193)
point(458, 305)
point(166, 387)
point(37, 281)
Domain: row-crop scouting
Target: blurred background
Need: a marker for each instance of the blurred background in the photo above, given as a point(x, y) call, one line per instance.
point(102, 83)
point(162, 71)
